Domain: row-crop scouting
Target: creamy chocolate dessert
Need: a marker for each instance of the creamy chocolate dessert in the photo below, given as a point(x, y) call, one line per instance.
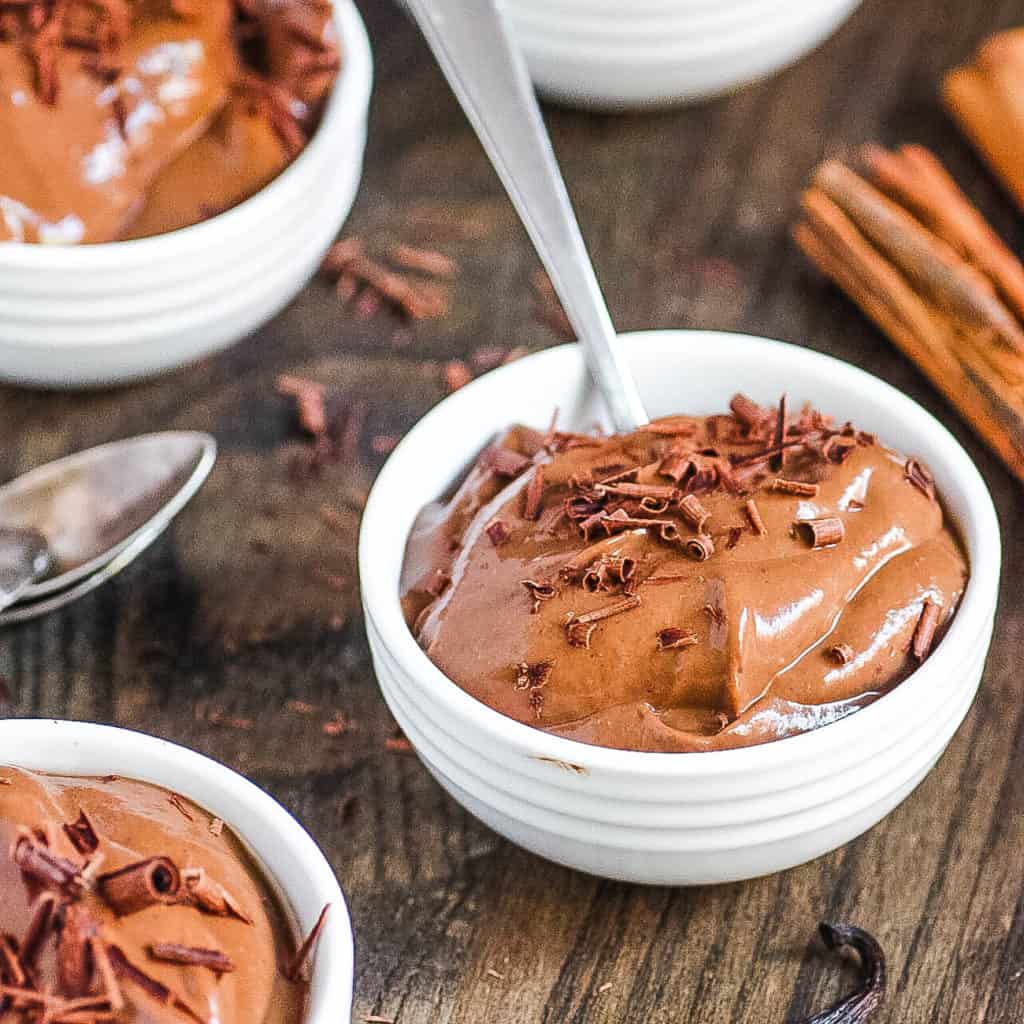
point(125, 902)
point(703, 583)
point(128, 118)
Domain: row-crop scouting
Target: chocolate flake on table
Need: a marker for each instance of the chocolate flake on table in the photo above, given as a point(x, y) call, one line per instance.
point(191, 956)
point(673, 637)
point(794, 487)
point(862, 1003)
point(368, 283)
point(924, 632)
point(82, 835)
point(918, 474)
point(841, 654)
point(539, 590)
point(295, 970)
point(137, 886)
point(310, 398)
point(821, 533)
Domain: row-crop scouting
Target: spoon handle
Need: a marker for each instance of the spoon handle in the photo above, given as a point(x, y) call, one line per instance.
point(486, 71)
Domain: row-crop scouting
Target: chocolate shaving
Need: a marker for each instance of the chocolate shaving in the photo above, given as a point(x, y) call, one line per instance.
point(674, 637)
point(714, 608)
point(821, 533)
point(661, 492)
point(700, 548)
point(616, 608)
point(694, 512)
point(155, 989)
point(540, 590)
point(179, 805)
point(533, 676)
point(924, 632)
point(918, 474)
point(46, 869)
point(579, 634)
point(537, 703)
point(209, 896)
point(105, 970)
point(796, 487)
point(861, 1004)
point(38, 929)
point(296, 967)
point(534, 495)
point(841, 654)
point(82, 835)
point(504, 461)
point(192, 956)
point(747, 411)
point(74, 956)
point(733, 537)
point(838, 448)
point(776, 460)
point(143, 884)
point(678, 466)
point(497, 532)
point(754, 515)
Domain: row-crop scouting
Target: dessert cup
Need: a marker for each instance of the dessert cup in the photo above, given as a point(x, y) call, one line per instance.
point(693, 818)
point(293, 864)
point(95, 315)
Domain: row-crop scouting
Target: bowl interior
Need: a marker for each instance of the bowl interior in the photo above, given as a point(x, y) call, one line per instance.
point(291, 860)
point(676, 371)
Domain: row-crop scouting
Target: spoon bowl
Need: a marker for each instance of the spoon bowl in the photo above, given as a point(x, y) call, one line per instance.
point(92, 506)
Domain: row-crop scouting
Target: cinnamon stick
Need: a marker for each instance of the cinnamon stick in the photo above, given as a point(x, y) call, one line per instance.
point(986, 98)
point(940, 290)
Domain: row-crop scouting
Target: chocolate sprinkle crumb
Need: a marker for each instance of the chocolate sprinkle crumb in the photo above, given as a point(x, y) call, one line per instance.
point(841, 654)
point(674, 637)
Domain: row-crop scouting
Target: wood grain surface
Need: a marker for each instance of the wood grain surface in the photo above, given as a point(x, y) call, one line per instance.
point(239, 633)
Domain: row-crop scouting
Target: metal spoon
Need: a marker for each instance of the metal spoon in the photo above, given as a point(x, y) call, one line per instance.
point(486, 71)
point(24, 557)
point(99, 509)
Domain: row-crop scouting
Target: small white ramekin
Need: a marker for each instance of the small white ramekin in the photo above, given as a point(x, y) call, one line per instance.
point(674, 818)
point(94, 315)
point(290, 858)
point(578, 53)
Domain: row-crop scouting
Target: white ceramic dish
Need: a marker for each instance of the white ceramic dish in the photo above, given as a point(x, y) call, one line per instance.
point(667, 68)
point(674, 818)
point(290, 858)
point(74, 316)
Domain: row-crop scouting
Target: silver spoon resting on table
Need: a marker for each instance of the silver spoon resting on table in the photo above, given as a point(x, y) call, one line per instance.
point(69, 526)
point(486, 71)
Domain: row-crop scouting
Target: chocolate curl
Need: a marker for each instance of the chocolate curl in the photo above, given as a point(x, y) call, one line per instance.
point(74, 955)
point(700, 548)
point(924, 633)
point(821, 533)
point(754, 515)
point(673, 637)
point(155, 989)
point(796, 487)
point(192, 956)
point(210, 896)
point(36, 863)
point(141, 885)
point(691, 509)
point(38, 929)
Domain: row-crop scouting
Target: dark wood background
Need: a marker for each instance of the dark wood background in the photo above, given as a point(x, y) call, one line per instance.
point(250, 602)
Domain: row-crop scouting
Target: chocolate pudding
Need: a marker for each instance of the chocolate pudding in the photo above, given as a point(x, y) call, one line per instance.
point(128, 118)
point(125, 902)
point(700, 584)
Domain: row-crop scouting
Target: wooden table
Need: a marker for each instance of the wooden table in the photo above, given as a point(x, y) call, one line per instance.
point(250, 605)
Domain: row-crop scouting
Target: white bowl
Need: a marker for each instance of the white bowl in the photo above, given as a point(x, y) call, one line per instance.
point(292, 861)
point(680, 819)
point(667, 69)
point(92, 315)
